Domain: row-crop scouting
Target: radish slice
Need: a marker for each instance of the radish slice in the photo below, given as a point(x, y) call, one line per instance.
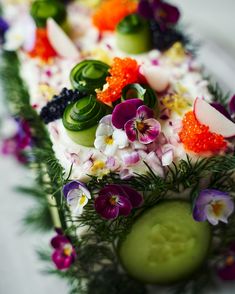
point(216, 121)
point(60, 42)
point(157, 78)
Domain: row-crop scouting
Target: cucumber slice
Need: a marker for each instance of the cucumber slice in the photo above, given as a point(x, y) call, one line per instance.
point(133, 35)
point(85, 138)
point(165, 244)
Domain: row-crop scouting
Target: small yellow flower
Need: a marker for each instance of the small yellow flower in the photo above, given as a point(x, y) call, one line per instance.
point(176, 103)
point(99, 169)
point(47, 91)
point(176, 53)
point(102, 55)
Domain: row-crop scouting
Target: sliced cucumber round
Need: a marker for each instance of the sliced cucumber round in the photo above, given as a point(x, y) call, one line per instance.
point(165, 244)
point(133, 35)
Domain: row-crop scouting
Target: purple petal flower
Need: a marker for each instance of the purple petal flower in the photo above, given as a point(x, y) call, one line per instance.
point(144, 112)
point(143, 127)
point(77, 196)
point(115, 200)
point(124, 112)
point(3, 28)
point(214, 206)
point(164, 13)
point(64, 254)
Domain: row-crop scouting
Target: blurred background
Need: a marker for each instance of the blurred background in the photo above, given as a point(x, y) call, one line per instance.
point(212, 22)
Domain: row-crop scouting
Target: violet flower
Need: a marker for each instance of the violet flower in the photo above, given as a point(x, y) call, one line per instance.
point(64, 254)
point(143, 127)
point(164, 13)
point(137, 120)
point(214, 206)
point(3, 28)
point(77, 196)
point(226, 265)
point(18, 142)
point(232, 106)
point(114, 200)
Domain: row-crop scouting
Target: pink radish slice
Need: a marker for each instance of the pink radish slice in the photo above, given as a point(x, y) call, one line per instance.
point(60, 42)
point(216, 121)
point(157, 77)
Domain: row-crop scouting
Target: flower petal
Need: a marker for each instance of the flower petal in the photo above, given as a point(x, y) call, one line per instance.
point(130, 158)
point(130, 130)
point(152, 132)
point(124, 206)
point(135, 197)
point(120, 138)
point(104, 130)
point(100, 143)
point(144, 112)
point(105, 208)
point(110, 149)
point(124, 112)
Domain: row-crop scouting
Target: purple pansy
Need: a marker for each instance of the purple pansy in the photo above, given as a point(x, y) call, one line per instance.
point(19, 140)
point(226, 265)
point(3, 28)
point(64, 254)
point(137, 120)
point(77, 196)
point(164, 13)
point(114, 200)
point(214, 206)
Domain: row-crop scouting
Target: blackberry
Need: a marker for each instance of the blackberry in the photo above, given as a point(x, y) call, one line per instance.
point(163, 39)
point(55, 108)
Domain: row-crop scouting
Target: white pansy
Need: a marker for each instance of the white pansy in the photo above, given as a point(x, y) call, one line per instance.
point(109, 139)
point(77, 199)
point(15, 38)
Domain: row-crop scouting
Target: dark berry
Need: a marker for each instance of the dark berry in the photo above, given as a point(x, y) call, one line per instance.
point(55, 108)
point(164, 38)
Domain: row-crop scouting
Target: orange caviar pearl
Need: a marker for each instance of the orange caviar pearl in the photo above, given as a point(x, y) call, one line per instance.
point(111, 12)
point(123, 72)
point(196, 137)
point(42, 47)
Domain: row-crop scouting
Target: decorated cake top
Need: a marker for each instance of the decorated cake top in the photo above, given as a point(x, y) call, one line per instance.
point(132, 119)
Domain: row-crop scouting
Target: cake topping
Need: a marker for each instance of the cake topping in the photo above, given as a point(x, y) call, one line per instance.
point(214, 206)
point(123, 72)
point(196, 137)
point(111, 12)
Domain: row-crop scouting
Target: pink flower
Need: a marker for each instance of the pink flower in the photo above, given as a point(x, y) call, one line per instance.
point(64, 254)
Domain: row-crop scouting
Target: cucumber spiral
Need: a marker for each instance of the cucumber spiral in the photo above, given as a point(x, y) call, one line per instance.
point(41, 10)
point(89, 75)
point(81, 119)
point(142, 92)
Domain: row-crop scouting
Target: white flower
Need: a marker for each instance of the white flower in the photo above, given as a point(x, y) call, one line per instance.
point(20, 35)
point(108, 138)
point(77, 196)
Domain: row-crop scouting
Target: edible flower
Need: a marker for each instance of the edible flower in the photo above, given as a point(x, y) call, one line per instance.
point(164, 13)
point(3, 28)
point(17, 138)
point(77, 196)
point(64, 254)
point(214, 206)
point(108, 138)
point(115, 200)
point(111, 12)
point(137, 120)
point(226, 265)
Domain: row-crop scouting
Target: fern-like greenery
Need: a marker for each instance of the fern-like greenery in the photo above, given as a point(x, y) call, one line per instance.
point(96, 269)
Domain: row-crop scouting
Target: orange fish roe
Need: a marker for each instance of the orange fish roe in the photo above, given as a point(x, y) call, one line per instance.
point(123, 72)
point(111, 12)
point(42, 47)
point(196, 137)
